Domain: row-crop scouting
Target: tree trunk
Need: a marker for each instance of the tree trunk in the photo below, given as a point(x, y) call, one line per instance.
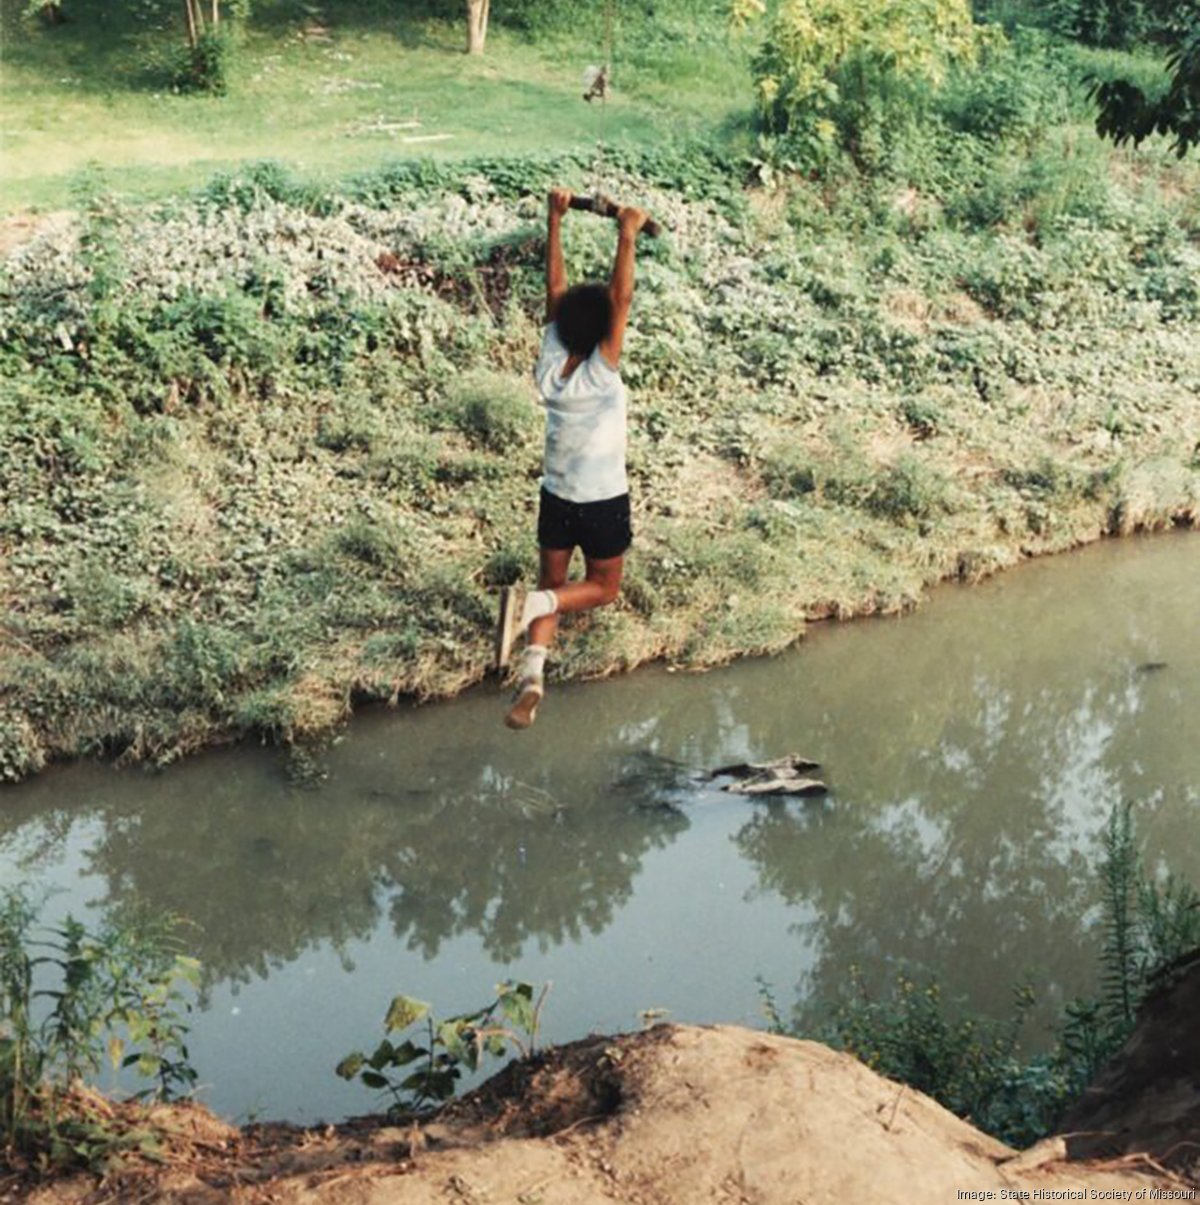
point(216, 15)
point(477, 23)
point(190, 15)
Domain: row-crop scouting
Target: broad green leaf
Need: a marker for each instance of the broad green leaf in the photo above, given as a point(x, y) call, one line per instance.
point(453, 1035)
point(516, 1003)
point(374, 1080)
point(382, 1055)
point(406, 1053)
point(440, 1084)
point(402, 1012)
point(350, 1066)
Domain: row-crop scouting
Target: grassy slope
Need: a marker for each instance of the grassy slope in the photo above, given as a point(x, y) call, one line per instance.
point(92, 92)
point(257, 472)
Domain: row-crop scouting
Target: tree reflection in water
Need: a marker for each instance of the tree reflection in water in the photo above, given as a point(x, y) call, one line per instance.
point(974, 772)
point(261, 881)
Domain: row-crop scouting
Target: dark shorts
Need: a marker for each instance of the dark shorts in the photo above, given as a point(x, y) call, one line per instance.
point(600, 529)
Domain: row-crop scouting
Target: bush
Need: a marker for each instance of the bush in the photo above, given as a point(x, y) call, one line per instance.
point(1117, 23)
point(493, 410)
point(205, 66)
point(1017, 92)
point(829, 71)
point(969, 1064)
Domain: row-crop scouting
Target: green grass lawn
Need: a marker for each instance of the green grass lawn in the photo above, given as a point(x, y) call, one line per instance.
point(89, 95)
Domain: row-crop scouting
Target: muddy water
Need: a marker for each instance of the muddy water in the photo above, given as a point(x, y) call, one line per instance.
point(974, 750)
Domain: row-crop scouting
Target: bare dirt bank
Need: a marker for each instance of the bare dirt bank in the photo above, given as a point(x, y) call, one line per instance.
point(674, 1116)
point(1148, 1098)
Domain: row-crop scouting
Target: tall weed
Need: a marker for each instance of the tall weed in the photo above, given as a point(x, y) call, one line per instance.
point(73, 1001)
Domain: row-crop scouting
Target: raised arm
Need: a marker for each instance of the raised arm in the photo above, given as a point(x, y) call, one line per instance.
point(620, 287)
point(556, 270)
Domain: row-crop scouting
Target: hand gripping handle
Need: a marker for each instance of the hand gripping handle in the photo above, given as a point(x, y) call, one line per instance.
point(606, 207)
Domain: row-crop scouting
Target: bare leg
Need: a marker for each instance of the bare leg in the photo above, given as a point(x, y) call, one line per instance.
point(552, 575)
point(600, 586)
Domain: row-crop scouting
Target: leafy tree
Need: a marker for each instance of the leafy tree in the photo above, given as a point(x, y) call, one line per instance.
point(1120, 23)
point(1128, 113)
point(1115, 23)
point(824, 64)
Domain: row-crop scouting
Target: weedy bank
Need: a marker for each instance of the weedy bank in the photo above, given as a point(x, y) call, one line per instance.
point(266, 452)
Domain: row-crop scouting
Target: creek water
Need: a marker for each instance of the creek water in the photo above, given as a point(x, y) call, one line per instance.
point(974, 750)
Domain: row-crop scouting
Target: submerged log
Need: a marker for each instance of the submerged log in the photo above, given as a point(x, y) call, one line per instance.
point(783, 776)
point(778, 784)
point(789, 763)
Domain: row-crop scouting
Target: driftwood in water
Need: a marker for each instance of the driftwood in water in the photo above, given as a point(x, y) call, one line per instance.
point(783, 776)
point(792, 763)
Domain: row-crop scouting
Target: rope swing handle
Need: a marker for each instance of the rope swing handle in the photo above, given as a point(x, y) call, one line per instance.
point(606, 207)
point(598, 89)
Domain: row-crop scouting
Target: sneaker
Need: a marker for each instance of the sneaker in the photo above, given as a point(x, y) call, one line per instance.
point(524, 709)
point(508, 623)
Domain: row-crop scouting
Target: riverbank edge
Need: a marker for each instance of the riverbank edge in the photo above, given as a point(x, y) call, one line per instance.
point(338, 702)
point(671, 1115)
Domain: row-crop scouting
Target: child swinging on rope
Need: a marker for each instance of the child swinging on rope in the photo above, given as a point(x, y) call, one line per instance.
point(585, 494)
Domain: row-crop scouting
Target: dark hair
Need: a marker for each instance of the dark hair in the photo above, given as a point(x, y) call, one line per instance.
point(583, 317)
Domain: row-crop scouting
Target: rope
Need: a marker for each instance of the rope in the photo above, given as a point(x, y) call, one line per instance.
point(606, 69)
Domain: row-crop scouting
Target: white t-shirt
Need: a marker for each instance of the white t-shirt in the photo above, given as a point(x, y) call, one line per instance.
point(585, 425)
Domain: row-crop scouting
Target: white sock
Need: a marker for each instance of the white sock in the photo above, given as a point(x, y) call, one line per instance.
point(537, 604)
point(533, 663)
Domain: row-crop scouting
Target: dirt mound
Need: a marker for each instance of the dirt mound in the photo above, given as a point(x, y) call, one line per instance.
point(678, 1115)
point(1148, 1098)
point(564, 1088)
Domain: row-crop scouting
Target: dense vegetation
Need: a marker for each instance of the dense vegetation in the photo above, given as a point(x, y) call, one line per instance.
point(268, 447)
point(975, 1065)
